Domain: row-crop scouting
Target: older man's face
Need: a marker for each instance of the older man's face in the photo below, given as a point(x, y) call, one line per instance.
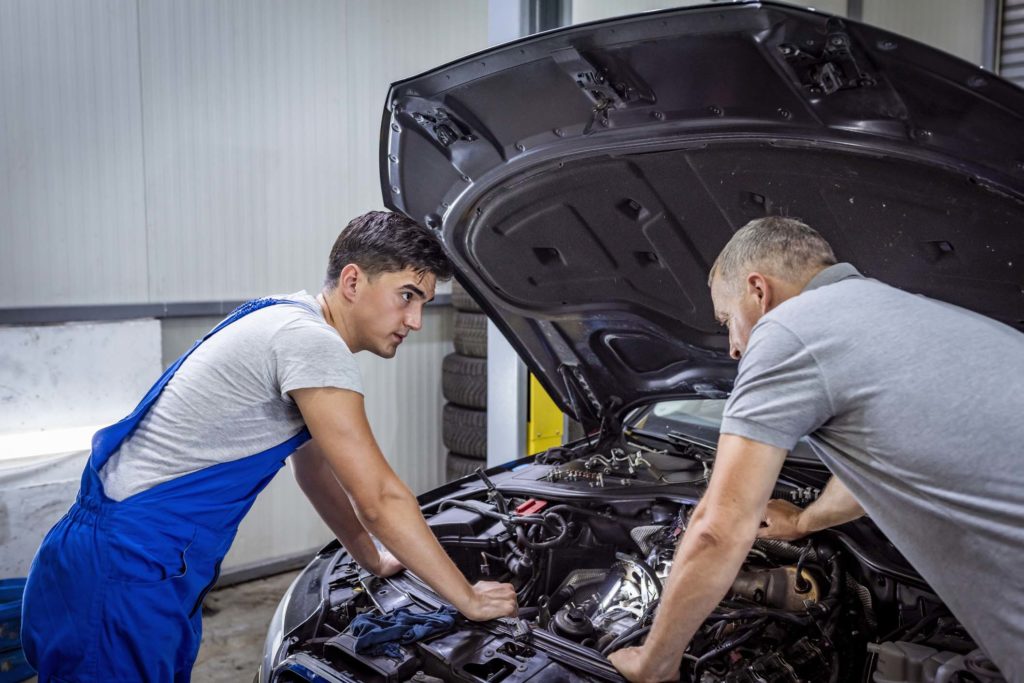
point(738, 308)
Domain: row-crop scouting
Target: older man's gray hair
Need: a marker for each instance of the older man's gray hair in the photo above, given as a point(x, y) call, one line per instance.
point(782, 247)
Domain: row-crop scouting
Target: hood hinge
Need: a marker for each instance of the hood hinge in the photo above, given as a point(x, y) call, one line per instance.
point(834, 69)
point(612, 85)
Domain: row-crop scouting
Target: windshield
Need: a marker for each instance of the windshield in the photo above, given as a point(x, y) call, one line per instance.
point(704, 412)
point(697, 418)
point(698, 421)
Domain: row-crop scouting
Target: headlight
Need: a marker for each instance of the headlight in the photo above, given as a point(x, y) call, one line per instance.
point(300, 601)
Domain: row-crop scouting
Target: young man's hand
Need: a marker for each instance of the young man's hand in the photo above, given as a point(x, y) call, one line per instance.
point(632, 663)
point(387, 565)
point(781, 521)
point(491, 600)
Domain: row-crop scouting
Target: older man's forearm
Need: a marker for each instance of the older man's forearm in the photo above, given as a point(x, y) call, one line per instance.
point(706, 564)
point(836, 505)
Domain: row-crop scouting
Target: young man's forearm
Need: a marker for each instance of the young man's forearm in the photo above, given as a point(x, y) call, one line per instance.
point(384, 505)
point(394, 517)
point(317, 481)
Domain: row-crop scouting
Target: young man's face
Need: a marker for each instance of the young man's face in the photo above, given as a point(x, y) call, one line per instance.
point(388, 307)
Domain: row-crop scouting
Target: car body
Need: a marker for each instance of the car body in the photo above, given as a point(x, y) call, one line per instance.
point(583, 181)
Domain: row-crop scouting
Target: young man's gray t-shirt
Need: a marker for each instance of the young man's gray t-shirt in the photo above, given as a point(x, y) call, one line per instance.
point(918, 407)
point(230, 399)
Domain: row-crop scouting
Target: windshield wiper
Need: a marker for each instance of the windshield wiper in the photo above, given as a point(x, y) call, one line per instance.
point(689, 445)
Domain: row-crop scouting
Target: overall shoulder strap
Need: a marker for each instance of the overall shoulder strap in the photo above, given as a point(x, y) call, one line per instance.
point(109, 439)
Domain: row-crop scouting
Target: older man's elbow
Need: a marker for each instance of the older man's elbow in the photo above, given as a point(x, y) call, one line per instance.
point(714, 533)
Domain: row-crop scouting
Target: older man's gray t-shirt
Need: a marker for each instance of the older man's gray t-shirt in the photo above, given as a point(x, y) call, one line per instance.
point(918, 407)
point(230, 399)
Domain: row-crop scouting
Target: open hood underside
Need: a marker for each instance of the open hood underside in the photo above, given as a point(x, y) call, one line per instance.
point(584, 180)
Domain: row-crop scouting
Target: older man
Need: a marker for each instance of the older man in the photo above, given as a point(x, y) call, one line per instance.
point(914, 405)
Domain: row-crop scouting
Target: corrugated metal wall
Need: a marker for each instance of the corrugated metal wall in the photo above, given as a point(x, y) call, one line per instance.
point(592, 10)
point(955, 26)
point(157, 151)
point(246, 144)
point(72, 214)
point(1011, 57)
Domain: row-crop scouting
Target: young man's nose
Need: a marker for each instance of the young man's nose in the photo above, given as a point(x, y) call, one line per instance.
point(414, 319)
point(734, 350)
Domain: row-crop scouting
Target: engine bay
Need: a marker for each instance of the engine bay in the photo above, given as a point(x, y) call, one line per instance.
point(588, 540)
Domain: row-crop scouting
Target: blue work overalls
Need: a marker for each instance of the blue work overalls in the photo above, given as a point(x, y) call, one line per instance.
point(116, 589)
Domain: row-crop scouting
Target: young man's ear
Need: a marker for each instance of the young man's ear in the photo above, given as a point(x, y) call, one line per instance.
point(349, 281)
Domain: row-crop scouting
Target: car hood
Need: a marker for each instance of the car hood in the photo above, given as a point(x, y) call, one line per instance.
point(584, 180)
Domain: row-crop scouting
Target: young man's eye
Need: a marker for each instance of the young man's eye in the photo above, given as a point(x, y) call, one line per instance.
point(406, 297)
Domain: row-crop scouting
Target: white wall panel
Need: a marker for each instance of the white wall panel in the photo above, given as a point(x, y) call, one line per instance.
point(955, 26)
point(195, 150)
point(387, 41)
point(262, 128)
point(281, 524)
point(403, 401)
point(247, 153)
point(71, 170)
point(592, 10)
point(837, 7)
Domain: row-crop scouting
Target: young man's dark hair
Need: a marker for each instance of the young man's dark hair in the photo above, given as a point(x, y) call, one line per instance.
point(382, 241)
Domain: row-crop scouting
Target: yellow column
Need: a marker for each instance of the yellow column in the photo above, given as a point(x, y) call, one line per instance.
point(544, 420)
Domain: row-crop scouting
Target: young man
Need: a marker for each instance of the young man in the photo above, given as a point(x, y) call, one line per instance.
point(116, 588)
point(913, 404)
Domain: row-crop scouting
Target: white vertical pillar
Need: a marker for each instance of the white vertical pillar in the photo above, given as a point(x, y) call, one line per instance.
point(507, 379)
point(507, 384)
point(505, 21)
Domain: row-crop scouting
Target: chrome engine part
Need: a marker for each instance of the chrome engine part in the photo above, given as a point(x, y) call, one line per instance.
point(623, 596)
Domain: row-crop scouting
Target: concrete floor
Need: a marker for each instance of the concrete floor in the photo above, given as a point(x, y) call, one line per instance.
point(235, 624)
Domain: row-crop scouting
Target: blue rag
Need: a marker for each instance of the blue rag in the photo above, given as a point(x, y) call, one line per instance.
point(380, 635)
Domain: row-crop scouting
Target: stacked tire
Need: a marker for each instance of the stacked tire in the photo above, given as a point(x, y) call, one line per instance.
point(464, 385)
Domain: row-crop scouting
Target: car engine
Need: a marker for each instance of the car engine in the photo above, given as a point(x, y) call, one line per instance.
point(588, 543)
point(595, 577)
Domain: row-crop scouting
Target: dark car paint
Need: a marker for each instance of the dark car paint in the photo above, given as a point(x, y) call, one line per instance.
point(583, 180)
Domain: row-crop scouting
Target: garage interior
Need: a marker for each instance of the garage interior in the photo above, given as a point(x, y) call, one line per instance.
point(165, 161)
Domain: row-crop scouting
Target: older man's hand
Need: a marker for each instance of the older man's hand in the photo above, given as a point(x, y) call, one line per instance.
point(781, 521)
